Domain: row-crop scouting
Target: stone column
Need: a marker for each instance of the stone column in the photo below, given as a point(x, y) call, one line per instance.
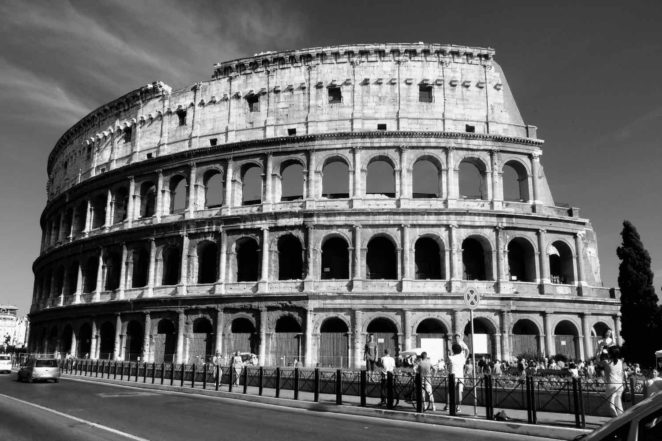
point(357, 270)
point(310, 257)
point(312, 194)
point(550, 349)
point(542, 253)
point(497, 184)
point(406, 254)
point(94, 344)
point(264, 270)
point(117, 349)
point(88, 219)
point(263, 337)
point(227, 201)
point(79, 283)
point(108, 221)
point(452, 185)
point(617, 329)
point(268, 183)
point(147, 356)
point(455, 260)
point(499, 255)
point(183, 269)
point(218, 344)
point(152, 265)
point(505, 335)
point(100, 277)
point(192, 192)
point(588, 343)
point(535, 173)
point(131, 202)
point(160, 191)
point(358, 340)
point(457, 323)
point(122, 287)
point(308, 338)
point(579, 250)
point(357, 190)
point(405, 189)
point(181, 323)
point(406, 314)
point(74, 215)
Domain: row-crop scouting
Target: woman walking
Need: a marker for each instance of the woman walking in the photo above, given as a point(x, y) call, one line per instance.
point(613, 367)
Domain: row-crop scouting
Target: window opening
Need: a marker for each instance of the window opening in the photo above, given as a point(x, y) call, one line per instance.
point(469, 128)
point(181, 114)
point(381, 126)
point(424, 93)
point(291, 132)
point(253, 103)
point(335, 95)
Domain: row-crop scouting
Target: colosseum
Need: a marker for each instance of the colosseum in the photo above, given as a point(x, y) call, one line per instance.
point(299, 201)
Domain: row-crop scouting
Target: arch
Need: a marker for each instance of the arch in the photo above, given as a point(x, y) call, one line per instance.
point(428, 258)
point(112, 262)
point(90, 273)
point(251, 184)
point(165, 341)
point(67, 221)
point(287, 341)
point(98, 211)
point(291, 181)
point(426, 178)
point(178, 199)
point(334, 343)
point(381, 259)
point(525, 339)
point(139, 267)
point(106, 340)
point(67, 340)
point(476, 258)
point(80, 218)
point(201, 343)
point(561, 263)
point(431, 334)
point(120, 205)
point(213, 187)
point(335, 178)
point(51, 342)
point(521, 260)
point(71, 280)
point(386, 335)
point(290, 258)
point(147, 199)
point(484, 337)
point(335, 258)
point(243, 336)
point(515, 181)
point(566, 338)
point(84, 341)
point(600, 328)
point(472, 178)
point(248, 259)
point(172, 257)
point(133, 345)
point(207, 252)
point(380, 178)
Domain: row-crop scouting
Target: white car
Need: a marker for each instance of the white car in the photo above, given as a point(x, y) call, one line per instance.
point(5, 363)
point(642, 422)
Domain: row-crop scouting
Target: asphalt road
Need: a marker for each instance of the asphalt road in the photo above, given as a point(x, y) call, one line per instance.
point(73, 410)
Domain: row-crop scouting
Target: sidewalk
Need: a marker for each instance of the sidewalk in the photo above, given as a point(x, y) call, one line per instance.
point(551, 425)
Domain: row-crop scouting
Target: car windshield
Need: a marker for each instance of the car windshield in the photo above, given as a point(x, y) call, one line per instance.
point(46, 363)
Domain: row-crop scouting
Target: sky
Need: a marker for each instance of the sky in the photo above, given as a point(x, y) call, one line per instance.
point(586, 73)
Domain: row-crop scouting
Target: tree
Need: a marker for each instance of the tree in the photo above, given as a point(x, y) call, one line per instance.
point(639, 309)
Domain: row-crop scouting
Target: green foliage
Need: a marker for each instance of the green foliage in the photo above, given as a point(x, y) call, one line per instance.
point(640, 312)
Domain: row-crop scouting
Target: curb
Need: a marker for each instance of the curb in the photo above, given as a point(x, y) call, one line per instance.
point(562, 433)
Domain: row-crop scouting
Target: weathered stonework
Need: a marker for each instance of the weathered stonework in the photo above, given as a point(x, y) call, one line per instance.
point(132, 239)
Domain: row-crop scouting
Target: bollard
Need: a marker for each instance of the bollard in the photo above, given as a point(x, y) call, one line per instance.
point(452, 407)
point(316, 386)
point(296, 383)
point(339, 387)
point(389, 390)
point(137, 370)
point(261, 381)
point(231, 383)
point(172, 374)
point(96, 369)
point(278, 382)
point(193, 376)
point(122, 371)
point(363, 387)
point(489, 397)
point(204, 376)
point(153, 372)
point(530, 401)
point(418, 384)
point(145, 372)
point(217, 380)
point(245, 373)
point(581, 404)
point(181, 379)
point(576, 398)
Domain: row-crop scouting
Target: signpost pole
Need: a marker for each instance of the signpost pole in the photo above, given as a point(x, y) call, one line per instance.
point(473, 361)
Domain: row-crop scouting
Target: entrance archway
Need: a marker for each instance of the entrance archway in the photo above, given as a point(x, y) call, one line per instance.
point(334, 343)
point(85, 341)
point(431, 337)
point(484, 338)
point(106, 341)
point(566, 338)
point(133, 346)
point(165, 342)
point(525, 339)
point(201, 344)
point(243, 337)
point(386, 335)
point(286, 343)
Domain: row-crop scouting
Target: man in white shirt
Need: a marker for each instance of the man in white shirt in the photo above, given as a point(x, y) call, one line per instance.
point(388, 365)
point(465, 349)
point(457, 361)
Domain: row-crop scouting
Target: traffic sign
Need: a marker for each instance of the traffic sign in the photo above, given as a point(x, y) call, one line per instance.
point(472, 298)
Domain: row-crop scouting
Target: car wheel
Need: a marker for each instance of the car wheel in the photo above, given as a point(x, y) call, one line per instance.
point(56, 380)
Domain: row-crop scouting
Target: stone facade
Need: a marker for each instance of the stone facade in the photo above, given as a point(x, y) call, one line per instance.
point(300, 200)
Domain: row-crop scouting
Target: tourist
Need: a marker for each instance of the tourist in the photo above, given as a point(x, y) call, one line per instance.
point(606, 342)
point(457, 361)
point(653, 385)
point(237, 366)
point(370, 353)
point(457, 338)
point(613, 367)
point(590, 369)
point(387, 365)
point(425, 369)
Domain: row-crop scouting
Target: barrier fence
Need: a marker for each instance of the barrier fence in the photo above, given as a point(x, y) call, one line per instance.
point(401, 390)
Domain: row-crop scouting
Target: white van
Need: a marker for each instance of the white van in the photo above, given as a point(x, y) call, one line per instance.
point(5, 363)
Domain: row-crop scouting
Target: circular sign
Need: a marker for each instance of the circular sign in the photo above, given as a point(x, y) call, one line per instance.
point(471, 297)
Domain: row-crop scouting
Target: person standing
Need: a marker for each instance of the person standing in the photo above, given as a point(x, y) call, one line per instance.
point(388, 365)
point(426, 369)
point(606, 342)
point(217, 362)
point(457, 338)
point(613, 367)
point(370, 353)
point(457, 361)
point(237, 365)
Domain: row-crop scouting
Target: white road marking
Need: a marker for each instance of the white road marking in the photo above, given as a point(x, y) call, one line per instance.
point(126, 394)
point(80, 420)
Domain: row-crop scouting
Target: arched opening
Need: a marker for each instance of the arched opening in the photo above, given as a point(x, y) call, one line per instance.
point(202, 341)
point(476, 259)
point(172, 257)
point(526, 339)
point(386, 335)
point(67, 221)
point(85, 341)
point(251, 185)
point(426, 179)
point(165, 342)
point(112, 271)
point(80, 218)
point(243, 337)
point(428, 258)
point(207, 262)
point(566, 338)
point(521, 260)
point(290, 261)
point(140, 267)
point(473, 182)
point(67, 341)
point(51, 341)
point(335, 179)
point(335, 259)
point(106, 341)
point(59, 281)
point(561, 269)
point(133, 346)
point(382, 259)
point(484, 338)
point(515, 182)
point(213, 182)
point(98, 211)
point(177, 189)
point(380, 179)
point(248, 260)
point(292, 182)
point(287, 342)
point(431, 337)
point(71, 279)
point(120, 205)
point(147, 199)
point(334, 343)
